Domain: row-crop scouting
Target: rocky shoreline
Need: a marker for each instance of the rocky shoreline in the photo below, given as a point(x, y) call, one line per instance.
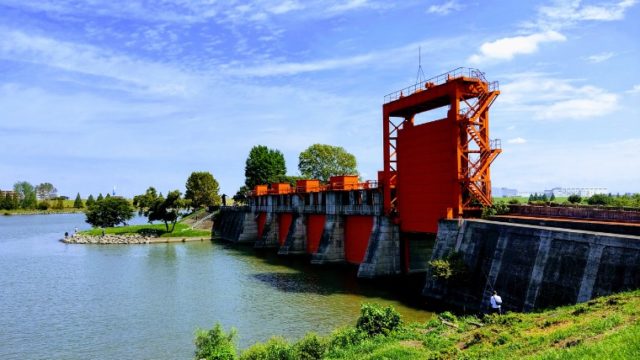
point(111, 239)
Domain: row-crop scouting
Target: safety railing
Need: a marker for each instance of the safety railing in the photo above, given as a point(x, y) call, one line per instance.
point(439, 80)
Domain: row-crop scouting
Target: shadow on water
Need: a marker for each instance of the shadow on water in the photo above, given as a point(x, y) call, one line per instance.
point(330, 279)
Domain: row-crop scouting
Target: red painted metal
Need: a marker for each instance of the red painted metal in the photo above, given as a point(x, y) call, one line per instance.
point(344, 182)
point(443, 160)
point(262, 219)
point(356, 237)
point(315, 227)
point(284, 223)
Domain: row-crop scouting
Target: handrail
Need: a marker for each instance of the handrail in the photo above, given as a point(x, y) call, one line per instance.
point(439, 80)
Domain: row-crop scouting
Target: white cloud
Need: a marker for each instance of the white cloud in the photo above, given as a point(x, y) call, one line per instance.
point(635, 89)
point(349, 5)
point(445, 8)
point(517, 141)
point(574, 11)
point(380, 57)
point(90, 60)
point(508, 47)
point(587, 163)
point(285, 7)
point(598, 58)
point(548, 98)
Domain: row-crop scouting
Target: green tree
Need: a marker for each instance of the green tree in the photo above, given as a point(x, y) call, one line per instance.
point(46, 191)
point(90, 201)
point(552, 197)
point(202, 190)
point(215, 344)
point(100, 197)
point(167, 210)
point(145, 201)
point(27, 194)
point(241, 196)
point(574, 199)
point(600, 199)
point(109, 212)
point(263, 166)
point(78, 202)
point(321, 161)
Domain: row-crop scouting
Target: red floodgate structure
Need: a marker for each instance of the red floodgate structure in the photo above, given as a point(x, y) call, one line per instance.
point(439, 169)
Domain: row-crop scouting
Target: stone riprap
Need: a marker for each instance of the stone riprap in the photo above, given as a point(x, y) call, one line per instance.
point(112, 239)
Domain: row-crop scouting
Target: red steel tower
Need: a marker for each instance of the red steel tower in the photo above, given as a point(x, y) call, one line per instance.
point(439, 169)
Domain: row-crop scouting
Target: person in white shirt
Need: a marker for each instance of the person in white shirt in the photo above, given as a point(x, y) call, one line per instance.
point(496, 303)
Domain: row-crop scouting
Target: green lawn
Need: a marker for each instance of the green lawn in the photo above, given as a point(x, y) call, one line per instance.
point(181, 230)
point(604, 328)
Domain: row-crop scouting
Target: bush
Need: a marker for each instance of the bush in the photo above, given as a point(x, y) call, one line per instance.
point(214, 344)
point(346, 337)
point(599, 199)
point(277, 348)
point(498, 208)
point(43, 205)
point(451, 267)
point(311, 347)
point(574, 199)
point(375, 319)
point(514, 201)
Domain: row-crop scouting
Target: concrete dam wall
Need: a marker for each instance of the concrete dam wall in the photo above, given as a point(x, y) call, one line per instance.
point(330, 227)
point(531, 266)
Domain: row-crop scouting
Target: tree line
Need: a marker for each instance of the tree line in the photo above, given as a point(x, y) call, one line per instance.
point(202, 190)
point(318, 161)
point(43, 196)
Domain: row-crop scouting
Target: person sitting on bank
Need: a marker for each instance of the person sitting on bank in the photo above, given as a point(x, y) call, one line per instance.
point(496, 303)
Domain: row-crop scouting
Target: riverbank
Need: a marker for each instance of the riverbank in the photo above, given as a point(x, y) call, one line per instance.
point(114, 239)
point(606, 327)
point(138, 234)
point(41, 212)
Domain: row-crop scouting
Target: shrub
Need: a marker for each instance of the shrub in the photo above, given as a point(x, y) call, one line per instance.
point(499, 208)
point(43, 205)
point(277, 348)
point(451, 267)
point(214, 344)
point(514, 201)
point(574, 199)
point(311, 347)
point(346, 337)
point(599, 199)
point(375, 319)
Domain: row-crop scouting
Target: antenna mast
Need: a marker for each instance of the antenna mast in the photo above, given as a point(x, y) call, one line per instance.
point(420, 76)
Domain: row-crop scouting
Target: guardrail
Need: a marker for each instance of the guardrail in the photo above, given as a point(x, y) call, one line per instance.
point(439, 80)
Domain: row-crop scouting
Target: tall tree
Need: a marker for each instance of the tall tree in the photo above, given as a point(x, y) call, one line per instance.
point(27, 194)
point(263, 166)
point(100, 197)
point(202, 190)
point(109, 212)
point(46, 191)
point(90, 201)
point(167, 210)
point(320, 161)
point(145, 201)
point(78, 202)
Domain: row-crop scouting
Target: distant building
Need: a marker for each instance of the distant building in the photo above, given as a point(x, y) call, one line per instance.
point(504, 192)
point(4, 193)
point(584, 192)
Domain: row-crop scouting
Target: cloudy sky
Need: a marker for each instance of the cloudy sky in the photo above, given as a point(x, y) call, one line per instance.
point(136, 93)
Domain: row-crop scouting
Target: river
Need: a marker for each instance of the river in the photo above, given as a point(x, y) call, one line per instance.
point(61, 301)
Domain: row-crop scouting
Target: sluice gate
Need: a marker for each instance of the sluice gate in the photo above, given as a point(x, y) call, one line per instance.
point(432, 171)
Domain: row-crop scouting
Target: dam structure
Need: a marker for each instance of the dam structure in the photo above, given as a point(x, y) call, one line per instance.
point(424, 206)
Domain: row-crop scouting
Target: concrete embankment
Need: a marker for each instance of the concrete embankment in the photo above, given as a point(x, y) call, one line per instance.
point(111, 239)
point(532, 266)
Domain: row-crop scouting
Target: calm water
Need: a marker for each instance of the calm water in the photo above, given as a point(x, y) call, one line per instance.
point(62, 301)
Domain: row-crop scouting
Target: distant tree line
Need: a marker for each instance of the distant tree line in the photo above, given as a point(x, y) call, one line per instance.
point(26, 196)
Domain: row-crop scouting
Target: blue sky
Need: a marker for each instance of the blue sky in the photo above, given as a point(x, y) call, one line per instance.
point(136, 93)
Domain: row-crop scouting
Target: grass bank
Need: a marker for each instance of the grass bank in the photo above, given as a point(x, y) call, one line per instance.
point(181, 230)
point(604, 328)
